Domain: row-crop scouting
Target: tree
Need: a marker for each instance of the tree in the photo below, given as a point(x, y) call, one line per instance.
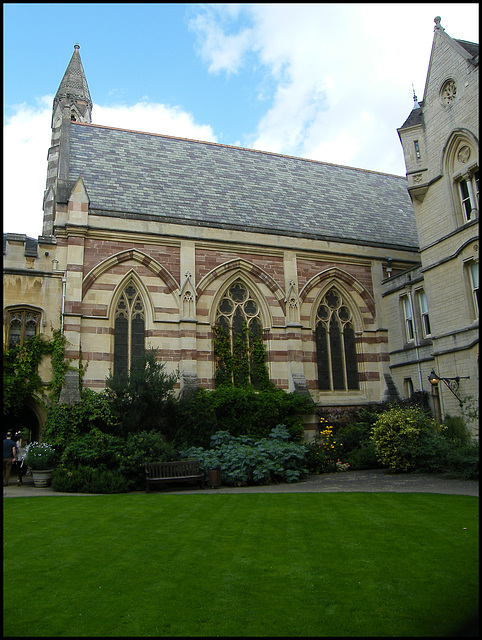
point(139, 398)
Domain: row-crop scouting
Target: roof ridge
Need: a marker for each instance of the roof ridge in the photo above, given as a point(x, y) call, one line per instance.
point(230, 146)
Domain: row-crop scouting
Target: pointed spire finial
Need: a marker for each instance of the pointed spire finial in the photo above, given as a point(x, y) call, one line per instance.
point(415, 101)
point(76, 46)
point(438, 26)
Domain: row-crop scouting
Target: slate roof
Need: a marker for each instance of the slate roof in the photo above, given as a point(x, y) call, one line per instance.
point(470, 47)
point(140, 175)
point(414, 118)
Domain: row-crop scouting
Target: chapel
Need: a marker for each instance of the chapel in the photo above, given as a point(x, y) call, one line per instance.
point(155, 241)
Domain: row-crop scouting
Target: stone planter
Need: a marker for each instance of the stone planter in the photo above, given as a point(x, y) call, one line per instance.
point(42, 477)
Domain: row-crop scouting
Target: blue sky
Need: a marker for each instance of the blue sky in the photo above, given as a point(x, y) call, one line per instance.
point(330, 82)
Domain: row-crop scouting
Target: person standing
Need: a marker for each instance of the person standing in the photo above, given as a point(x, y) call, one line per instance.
point(9, 453)
point(21, 449)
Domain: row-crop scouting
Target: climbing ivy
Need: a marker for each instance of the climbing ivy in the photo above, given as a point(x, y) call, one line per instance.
point(245, 364)
point(21, 379)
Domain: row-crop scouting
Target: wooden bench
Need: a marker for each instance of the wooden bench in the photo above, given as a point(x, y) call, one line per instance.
point(179, 471)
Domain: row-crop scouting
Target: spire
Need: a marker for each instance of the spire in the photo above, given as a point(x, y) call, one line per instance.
point(73, 92)
point(415, 101)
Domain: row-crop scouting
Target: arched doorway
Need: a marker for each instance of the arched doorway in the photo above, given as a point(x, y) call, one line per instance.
point(27, 418)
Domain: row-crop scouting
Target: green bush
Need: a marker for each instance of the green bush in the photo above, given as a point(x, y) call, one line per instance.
point(94, 449)
point(398, 433)
point(85, 479)
point(239, 411)
point(191, 420)
point(139, 399)
point(140, 448)
point(67, 422)
point(363, 457)
point(244, 460)
point(463, 461)
point(455, 428)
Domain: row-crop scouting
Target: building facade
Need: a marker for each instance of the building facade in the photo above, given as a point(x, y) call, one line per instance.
point(433, 308)
point(163, 242)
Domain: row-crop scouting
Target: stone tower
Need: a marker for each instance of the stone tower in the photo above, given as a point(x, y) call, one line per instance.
point(72, 102)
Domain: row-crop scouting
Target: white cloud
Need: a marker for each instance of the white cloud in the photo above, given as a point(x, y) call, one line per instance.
point(337, 84)
point(153, 118)
point(342, 73)
point(27, 139)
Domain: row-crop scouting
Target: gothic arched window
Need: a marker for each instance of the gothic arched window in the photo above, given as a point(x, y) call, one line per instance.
point(129, 330)
point(239, 349)
point(22, 324)
point(335, 344)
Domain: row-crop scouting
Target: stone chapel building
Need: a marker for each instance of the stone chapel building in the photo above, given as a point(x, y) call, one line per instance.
point(155, 241)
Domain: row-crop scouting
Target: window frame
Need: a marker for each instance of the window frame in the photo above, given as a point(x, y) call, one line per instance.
point(424, 313)
point(24, 310)
point(127, 329)
point(468, 189)
point(336, 352)
point(473, 266)
point(240, 318)
point(409, 320)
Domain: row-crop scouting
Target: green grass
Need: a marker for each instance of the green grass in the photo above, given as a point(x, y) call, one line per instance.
point(300, 564)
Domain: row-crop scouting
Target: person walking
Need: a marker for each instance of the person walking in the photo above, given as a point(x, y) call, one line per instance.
point(9, 454)
point(21, 447)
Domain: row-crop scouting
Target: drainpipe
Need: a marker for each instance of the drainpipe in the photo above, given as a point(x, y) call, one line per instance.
point(415, 332)
point(64, 281)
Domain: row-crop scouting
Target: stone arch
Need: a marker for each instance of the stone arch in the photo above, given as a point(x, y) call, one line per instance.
point(123, 256)
point(252, 286)
point(133, 276)
point(348, 284)
point(459, 162)
point(242, 266)
point(457, 140)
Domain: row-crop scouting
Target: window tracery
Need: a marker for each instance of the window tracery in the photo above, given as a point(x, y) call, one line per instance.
point(129, 330)
point(335, 344)
point(239, 349)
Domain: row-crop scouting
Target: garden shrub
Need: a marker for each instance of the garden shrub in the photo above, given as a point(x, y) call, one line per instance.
point(463, 461)
point(244, 460)
point(398, 434)
point(139, 449)
point(355, 440)
point(67, 422)
point(95, 449)
point(139, 398)
point(85, 479)
point(455, 428)
point(191, 420)
point(240, 411)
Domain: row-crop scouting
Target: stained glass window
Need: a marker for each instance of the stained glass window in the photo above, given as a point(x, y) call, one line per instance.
point(335, 344)
point(129, 330)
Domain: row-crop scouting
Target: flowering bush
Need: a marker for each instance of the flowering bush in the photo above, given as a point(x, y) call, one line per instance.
point(342, 466)
point(323, 451)
point(400, 436)
point(40, 456)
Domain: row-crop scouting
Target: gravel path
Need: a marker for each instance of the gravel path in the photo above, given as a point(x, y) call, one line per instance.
point(372, 480)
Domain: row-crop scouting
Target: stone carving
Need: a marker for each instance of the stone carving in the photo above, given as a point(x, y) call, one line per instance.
point(464, 154)
point(449, 92)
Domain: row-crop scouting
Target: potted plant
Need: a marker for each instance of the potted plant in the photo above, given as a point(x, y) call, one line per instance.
point(40, 459)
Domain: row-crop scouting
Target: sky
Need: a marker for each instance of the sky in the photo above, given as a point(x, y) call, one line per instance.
point(328, 82)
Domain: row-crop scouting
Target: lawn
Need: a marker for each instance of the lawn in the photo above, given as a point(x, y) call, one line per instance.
point(298, 564)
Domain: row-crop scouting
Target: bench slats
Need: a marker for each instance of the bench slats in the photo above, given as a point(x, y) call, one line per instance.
point(177, 471)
